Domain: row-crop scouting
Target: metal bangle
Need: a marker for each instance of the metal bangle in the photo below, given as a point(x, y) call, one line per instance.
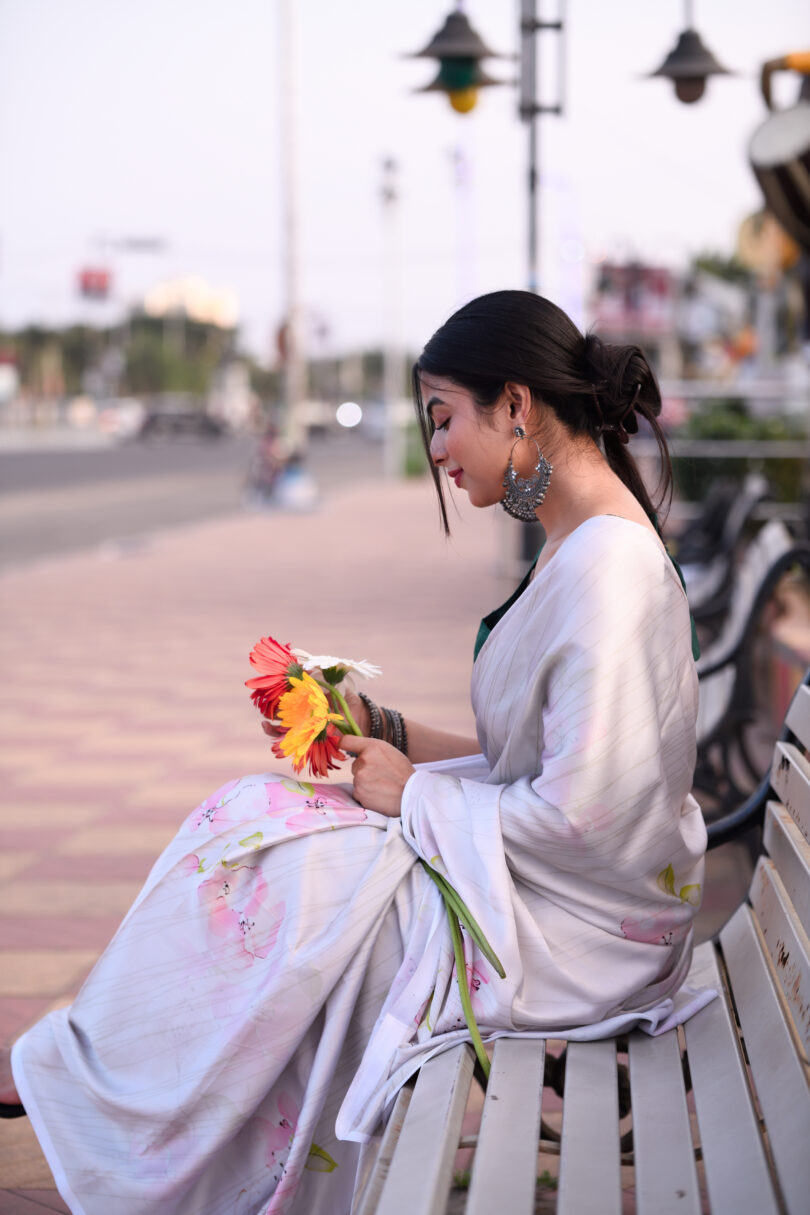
point(398, 734)
point(374, 716)
point(404, 728)
point(388, 734)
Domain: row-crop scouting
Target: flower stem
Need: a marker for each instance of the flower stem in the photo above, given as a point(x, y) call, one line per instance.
point(344, 708)
point(458, 910)
point(464, 991)
point(454, 900)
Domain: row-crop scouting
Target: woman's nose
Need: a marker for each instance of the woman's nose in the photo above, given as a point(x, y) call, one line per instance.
point(437, 452)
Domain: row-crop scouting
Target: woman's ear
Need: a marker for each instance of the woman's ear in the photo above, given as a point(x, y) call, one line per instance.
point(519, 402)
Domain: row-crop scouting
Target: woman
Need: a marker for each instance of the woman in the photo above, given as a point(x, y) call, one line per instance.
point(288, 963)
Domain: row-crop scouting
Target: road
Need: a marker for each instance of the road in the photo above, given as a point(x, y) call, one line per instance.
point(54, 502)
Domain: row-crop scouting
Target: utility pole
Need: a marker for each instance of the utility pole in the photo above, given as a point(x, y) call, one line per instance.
point(531, 108)
point(294, 371)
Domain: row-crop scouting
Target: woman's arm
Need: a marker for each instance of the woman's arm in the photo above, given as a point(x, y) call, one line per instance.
point(425, 744)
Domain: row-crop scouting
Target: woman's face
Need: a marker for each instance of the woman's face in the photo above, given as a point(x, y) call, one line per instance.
point(472, 447)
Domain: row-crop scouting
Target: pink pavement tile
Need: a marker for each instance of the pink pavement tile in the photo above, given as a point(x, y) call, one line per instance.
point(98, 867)
point(57, 932)
point(17, 1013)
point(22, 839)
point(31, 1202)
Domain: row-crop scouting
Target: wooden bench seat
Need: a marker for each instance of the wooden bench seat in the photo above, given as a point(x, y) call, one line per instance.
point(720, 1108)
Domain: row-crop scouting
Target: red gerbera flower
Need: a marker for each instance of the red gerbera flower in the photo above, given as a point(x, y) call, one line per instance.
point(275, 664)
point(323, 755)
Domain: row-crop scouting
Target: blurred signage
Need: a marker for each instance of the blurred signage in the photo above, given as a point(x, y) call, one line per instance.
point(94, 282)
point(633, 299)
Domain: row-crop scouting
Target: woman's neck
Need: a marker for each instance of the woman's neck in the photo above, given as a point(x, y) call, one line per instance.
point(584, 485)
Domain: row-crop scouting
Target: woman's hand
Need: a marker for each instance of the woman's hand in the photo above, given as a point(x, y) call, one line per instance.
point(380, 773)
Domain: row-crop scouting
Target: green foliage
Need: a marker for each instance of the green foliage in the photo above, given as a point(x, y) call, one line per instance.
point(416, 461)
point(153, 367)
point(728, 419)
point(730, 269)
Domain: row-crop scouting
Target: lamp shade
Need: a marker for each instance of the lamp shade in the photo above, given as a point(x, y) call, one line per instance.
point(456, 40)
point(459, 50)
point(688, 65)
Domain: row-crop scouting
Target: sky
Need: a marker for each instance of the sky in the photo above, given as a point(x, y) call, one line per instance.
point(164, 119)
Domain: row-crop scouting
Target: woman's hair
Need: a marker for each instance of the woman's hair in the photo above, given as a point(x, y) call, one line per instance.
point(594, 388)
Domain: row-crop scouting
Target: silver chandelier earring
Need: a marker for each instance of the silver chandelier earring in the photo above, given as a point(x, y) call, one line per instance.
point(524, 494)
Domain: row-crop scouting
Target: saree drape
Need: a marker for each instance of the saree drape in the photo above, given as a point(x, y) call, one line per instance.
point(288, 962)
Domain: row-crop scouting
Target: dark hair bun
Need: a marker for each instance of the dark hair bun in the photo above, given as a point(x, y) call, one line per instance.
point(624, 384)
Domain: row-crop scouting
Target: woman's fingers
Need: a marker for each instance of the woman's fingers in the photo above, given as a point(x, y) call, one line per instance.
point(380, 773)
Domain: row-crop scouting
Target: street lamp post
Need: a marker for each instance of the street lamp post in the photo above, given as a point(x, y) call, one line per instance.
point(531, 29)
point(460, 49)
point(294, 370)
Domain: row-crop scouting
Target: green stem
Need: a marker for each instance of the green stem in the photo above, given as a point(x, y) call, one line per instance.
point(464, 992)
point(344, 708)
point(454, 900)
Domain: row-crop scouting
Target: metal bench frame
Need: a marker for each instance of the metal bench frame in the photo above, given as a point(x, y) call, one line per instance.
point(709, 575)
point(720, 1106)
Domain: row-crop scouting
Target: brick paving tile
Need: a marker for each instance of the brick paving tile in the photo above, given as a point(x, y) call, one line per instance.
point(60, 931)
point(18, 1012)
point(60, 897)
point(22, 1165)
point(43, 972)
point(87, 867)
point(20, 839)
point(32, 1202)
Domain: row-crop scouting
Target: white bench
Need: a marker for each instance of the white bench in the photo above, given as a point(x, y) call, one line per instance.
point(709, 1131)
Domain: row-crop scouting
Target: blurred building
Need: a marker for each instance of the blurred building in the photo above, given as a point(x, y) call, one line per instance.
point(635, 303)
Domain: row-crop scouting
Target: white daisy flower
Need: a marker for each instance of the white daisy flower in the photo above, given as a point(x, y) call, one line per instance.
point(322, 662)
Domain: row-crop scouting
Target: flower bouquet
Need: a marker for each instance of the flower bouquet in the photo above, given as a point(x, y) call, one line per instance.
point(302, 695)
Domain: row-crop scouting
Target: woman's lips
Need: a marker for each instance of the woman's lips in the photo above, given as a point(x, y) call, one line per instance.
point(456, 475)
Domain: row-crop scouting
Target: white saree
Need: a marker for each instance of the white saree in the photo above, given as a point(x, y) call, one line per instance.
point(288, 963)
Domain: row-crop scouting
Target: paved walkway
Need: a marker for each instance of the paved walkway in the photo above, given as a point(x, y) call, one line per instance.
point(124, 706)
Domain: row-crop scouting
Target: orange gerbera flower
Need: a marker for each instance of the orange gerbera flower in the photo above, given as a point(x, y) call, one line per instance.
point(276, 664)
point(305, 715)
point(324, 754)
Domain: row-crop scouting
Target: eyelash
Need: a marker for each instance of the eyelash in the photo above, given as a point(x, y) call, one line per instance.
point(443, 425)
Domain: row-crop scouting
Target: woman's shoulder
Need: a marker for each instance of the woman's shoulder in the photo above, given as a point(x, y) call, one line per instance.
point(616, 535)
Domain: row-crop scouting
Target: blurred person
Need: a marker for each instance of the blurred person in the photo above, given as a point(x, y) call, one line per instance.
point(268, 461)
point(289, 963)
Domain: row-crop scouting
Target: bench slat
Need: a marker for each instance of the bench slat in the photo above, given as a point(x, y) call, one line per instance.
point(504, 1173)
point(780, 1079)
point(367, 1193)
point(666, 1177)
point(790, 853)
point(738, 1176)
point(421, 1171)
point(590, 1160)
point(786, 942)
point(797, 718)
point(790, 777)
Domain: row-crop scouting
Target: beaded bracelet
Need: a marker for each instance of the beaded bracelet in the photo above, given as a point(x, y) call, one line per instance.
point(386, 724)
point(374, 716)
point(397, 733)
